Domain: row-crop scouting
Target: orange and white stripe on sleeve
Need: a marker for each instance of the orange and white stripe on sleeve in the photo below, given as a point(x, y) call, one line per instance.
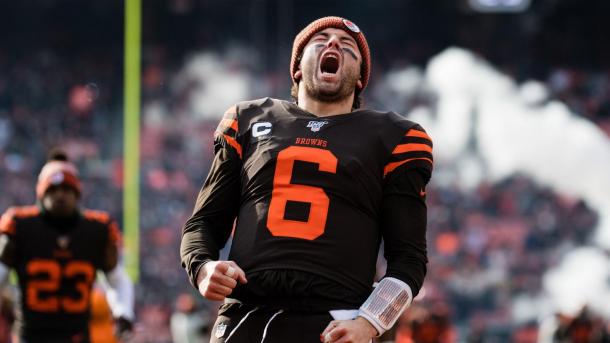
point(228, 129)
point(413, 151)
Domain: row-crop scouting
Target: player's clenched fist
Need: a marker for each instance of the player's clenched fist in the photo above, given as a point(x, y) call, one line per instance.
point(357, 330)
point(217, 279)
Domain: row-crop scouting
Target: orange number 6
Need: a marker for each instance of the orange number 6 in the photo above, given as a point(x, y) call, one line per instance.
point(284, 191)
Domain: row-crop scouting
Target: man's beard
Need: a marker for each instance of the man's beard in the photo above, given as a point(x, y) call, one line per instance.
point(347, 86)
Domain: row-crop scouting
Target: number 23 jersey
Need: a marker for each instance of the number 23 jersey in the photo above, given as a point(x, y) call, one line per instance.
point(56, 263)
point(309, 189)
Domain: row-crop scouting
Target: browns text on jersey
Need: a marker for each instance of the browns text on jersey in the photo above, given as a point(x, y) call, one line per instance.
point(308, 187)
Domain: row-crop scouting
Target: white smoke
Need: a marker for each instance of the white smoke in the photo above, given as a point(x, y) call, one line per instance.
point(213, 83)
point(488, 127)
point(589, 271)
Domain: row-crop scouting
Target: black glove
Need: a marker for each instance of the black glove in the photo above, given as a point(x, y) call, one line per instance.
point(123, 328)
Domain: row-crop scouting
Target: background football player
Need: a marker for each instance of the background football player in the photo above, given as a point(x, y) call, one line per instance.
point(56, 248)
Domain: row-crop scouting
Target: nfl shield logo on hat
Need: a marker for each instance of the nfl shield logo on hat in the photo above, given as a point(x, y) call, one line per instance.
point(351, 26)
point(57, 178)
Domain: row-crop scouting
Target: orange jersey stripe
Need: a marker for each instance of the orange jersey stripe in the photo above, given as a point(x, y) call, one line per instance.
point(411, 147)
point(391, 166)
point(98, 216)
point(232, 123)
point(26, 211)
point(417, 133)
point(7, 222)
point(234, 144)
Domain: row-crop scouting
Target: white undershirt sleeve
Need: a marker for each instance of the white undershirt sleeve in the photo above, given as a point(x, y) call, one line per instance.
point(4, 272)
point(120, 294)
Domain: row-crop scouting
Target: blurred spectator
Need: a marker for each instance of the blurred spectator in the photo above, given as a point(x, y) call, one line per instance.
point(584, 327)
point(421, 325)
point(190, 324)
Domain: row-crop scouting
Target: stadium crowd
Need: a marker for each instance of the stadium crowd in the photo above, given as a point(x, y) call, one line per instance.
point(487, 247)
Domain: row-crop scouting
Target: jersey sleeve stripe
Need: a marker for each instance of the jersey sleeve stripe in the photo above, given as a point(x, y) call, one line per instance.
point(417, 133)
point(409, 147)
point(411, 154)
point(228, 123)
point(391, 166)
point(25, 211)
point(233, 143)
point(7, 224)
point(98, 216)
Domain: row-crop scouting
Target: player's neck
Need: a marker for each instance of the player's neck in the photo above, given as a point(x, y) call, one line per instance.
point(323, 109)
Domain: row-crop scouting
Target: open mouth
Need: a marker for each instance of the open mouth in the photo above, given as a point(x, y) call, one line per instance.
point(330, 64)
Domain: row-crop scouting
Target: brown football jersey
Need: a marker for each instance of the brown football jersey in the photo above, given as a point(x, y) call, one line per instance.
point(56, 264)
point(308, 192)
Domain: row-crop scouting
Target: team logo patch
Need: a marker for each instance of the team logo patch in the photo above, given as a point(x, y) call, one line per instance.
point(57, 178)
point(63, 241)
point(261, 129)
point(315, 126)
point(353, 27)
point(220, 330)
